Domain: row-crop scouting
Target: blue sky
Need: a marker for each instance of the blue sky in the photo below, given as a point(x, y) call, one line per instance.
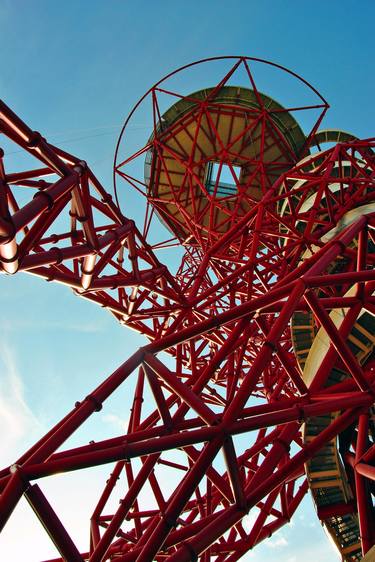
point(73, 70)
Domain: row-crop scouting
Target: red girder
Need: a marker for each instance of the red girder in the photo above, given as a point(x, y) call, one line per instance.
point(231, 401)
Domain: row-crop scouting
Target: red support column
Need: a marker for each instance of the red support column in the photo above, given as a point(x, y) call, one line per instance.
point(52, 524)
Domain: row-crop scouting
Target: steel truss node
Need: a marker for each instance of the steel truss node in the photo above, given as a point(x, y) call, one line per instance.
point(257, 381)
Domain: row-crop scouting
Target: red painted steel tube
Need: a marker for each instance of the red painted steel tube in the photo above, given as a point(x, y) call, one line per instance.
point(331, 355)
point(213, 476)
point(337, 341)
point(99, 453)
point(115, 475)
point(11, 495)
point(119, 453)
point(366, 523)
point(264, 356)
point(52, 524)
point(365, 470)
point(41, 225)
point(177, 503)
point(281, 412)
point(220, 355)
point(175, 537)
point(214, 530)
point(104, 543)
point(183, 391)
point(307, 452)
point(268, 530)
point(280, 448)
point(335, 510)
point(19, 177)
point(43, 201)
point(332, 247)
point(30, 140)
point(55, 255)
point(264, 513)
point(84, 410)
point(287, 364)
point(337, 246)
point(234, 471)
point(363, 505)
point(369, 455)
point(338, 278)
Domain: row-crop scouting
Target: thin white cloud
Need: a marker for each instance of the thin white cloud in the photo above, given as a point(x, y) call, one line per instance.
point(19, 428)
point(18, 424)
point(118, 423)
point(278, 542)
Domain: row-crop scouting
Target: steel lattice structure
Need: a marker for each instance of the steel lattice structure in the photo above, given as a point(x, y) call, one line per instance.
point(266, 384)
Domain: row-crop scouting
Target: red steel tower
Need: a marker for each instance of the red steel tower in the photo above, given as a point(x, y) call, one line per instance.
point(257, 381)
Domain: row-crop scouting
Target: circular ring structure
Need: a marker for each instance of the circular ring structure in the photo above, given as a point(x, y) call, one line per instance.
point(214, 155)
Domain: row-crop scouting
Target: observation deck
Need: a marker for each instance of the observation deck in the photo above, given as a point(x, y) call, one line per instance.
point(215, 153)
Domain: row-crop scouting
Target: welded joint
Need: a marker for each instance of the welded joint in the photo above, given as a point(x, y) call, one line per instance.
point(107, 198)
point(49, 199)
point(343, 246)
point(43, 184)
point(74, 215)
point(283, 443)
point(170, 522)
point(97, 404)
point(300, 413)
point(189, 548)
point(81, 167)
point(224, 432)
point(271, 344)
point(35, 140)
point(17, 469)
point(59, 254)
